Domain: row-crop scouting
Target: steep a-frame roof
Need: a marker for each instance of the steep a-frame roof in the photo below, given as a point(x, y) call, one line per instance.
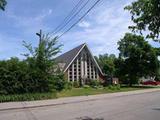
point(68, 57)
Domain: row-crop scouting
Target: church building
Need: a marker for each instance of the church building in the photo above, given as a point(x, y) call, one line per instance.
point(79, 64)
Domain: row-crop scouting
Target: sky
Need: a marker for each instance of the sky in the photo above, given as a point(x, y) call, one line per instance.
point(101, 29)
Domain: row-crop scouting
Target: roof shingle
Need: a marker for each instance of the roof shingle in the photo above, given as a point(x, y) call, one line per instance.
point(69, 56)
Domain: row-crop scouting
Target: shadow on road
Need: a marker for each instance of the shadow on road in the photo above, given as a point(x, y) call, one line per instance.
point(88, 118)
point(156, 109)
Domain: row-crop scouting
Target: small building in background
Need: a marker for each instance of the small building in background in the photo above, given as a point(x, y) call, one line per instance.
point(108, 80)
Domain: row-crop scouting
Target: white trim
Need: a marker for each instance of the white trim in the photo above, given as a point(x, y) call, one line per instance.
point(95, 61)
point(72, 72)
point(90, 76)
point(77, 70)
point(74, 57)
point(68, 73)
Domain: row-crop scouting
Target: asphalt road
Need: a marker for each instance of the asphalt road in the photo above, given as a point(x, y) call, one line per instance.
point(145, 106)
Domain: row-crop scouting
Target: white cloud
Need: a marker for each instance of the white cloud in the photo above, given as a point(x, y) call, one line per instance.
point(101, 29)
point(109, 24)
point(50, 11)
point(25, 26)
point(84, 24)
point(30, 24)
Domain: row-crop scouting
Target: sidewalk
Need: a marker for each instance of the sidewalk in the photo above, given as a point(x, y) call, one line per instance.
point(69, 100)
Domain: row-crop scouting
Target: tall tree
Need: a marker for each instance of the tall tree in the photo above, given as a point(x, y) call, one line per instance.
point(139, 57)
point(107, 63)
point(45, 52)
point(42, 61)
point(146, 17)
point(3, 4)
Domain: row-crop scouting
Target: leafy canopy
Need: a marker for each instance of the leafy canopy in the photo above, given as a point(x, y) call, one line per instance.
point(139, 57)
point(3, 3)
point(107, 63)
point(34, 74)
point(42, 60)
point(146, 17)
point(45, 52)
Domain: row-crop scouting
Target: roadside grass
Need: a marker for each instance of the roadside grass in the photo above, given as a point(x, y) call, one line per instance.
point(69, 93)
point(94, 91)
point(27, 97)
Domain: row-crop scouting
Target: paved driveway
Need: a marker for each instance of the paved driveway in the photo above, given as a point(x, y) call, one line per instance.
point(143, 106)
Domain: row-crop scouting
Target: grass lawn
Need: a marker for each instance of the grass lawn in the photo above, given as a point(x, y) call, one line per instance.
point(69, 93)
point(27, 97)
point(93, 91)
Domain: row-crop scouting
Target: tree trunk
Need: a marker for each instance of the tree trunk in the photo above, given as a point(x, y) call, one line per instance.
point(131, 80)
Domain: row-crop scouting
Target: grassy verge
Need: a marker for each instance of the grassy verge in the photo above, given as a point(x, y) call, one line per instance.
point(69, 93)
point(93, 91)
point(27, 97)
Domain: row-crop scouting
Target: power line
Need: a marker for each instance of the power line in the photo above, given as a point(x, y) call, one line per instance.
point(72, 17)
point(68, 16)
point(80, 18)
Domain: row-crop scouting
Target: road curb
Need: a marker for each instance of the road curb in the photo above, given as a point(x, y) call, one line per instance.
point(29, 105)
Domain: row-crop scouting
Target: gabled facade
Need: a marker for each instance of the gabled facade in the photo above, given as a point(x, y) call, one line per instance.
point(79, 64)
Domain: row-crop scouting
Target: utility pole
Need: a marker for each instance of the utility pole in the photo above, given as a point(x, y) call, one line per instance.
point(40, 36)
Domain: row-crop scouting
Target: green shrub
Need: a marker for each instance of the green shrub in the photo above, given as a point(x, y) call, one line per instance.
point(94, 83)
point(19, 77)
point(86, 86)
point(58, 82)
point(35, 74)
point(68, 85)
point(76, 84)
point(111, 87)
point(114, 87)
point(118, 86)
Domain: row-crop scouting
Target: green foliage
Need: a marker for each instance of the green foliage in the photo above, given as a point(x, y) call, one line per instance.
point(119, 68)
point(68, 85)
point(58, 82)
point(44, 54)
point(146, 16)
point(93, 91)
point(27, 97)
point(76, 84)
point(138, 58)
point(12, 73)
point(3, 3)
point(107, 63)
point(16, 77)
point(36, 74)
point(157, 78)
point(86, 86)
point(41, 59)
point(94, 83)
point(114, 87)
point(118, 86)
point(110, 87)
